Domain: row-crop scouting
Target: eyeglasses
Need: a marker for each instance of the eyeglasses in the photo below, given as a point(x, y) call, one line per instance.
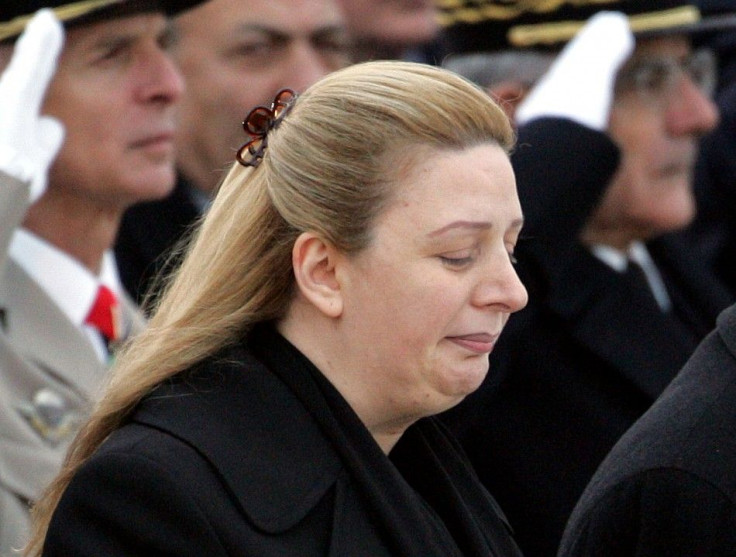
point(259, 122)
point(656, 78)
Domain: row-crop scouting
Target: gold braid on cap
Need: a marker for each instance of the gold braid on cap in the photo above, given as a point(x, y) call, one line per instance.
point(73, 10)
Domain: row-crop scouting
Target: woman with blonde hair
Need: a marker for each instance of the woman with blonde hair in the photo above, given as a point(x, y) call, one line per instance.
point(348, 283)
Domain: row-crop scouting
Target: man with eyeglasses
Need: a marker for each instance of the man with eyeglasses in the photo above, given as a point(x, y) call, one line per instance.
point(608, 139)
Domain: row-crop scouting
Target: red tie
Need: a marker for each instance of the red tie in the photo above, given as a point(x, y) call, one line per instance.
point(105, 314)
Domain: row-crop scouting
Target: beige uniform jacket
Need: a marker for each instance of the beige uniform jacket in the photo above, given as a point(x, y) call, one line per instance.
point(49, 377)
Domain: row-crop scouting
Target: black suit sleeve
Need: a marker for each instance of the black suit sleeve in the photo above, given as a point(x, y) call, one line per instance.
point(652, 514)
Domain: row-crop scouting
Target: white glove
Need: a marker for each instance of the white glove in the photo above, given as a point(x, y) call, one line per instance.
point(29, 142)
point(579, 84)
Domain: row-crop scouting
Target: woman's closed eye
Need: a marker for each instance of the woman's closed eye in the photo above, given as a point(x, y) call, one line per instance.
point(458, 259)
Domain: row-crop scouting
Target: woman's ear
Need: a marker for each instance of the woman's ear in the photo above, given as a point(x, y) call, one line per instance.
point(314, 259)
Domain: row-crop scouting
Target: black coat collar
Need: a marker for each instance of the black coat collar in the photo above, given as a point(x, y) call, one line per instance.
point(281, 436)
point(624, 327)
point(236, 398)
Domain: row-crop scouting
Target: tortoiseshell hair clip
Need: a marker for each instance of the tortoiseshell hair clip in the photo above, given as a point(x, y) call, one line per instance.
point(259, 122)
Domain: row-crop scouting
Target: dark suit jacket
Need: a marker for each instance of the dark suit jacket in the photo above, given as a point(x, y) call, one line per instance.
point(590, 353)
point(148, 233)
point(669, 485)
point(237, 458)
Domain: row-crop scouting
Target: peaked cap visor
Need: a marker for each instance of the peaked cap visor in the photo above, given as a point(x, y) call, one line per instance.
point(16, 14)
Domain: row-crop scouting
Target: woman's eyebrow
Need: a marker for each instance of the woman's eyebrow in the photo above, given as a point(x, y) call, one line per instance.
point(479, 225)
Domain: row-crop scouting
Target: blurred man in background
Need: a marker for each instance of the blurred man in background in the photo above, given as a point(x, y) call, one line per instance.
point(80, 141)
point(234, 54)
point(608, 139)
point(393, 29)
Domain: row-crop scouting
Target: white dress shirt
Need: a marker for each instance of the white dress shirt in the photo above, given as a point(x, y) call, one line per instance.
point(71, 286)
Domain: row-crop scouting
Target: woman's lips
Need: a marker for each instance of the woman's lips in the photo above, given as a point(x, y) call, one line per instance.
point(480, 343)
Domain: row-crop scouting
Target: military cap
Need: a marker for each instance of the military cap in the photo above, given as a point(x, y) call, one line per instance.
point(487, 25)
point(15, 14)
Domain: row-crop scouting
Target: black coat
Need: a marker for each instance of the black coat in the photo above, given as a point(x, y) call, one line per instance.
point(255, 453)
point(669, 485)
point(148, 232)
point(590, 353)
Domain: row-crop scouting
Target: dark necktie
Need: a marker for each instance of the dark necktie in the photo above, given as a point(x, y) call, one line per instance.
point(638, 281)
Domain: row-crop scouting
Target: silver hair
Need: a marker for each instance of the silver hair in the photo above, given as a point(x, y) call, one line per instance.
point(487, 69)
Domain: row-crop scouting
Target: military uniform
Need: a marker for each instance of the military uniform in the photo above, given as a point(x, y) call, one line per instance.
point(49, 376)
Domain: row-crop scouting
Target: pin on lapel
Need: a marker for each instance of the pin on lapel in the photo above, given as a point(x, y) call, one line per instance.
point(48, 414)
